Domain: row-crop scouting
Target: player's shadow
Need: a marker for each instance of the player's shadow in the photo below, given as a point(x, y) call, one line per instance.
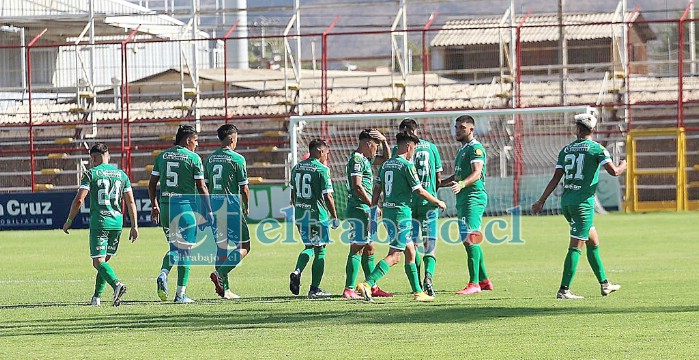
point(192, 318)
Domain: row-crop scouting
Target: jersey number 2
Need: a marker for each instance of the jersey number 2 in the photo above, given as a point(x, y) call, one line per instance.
point(218, 175)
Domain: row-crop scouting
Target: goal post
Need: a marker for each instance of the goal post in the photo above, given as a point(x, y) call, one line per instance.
point(522, 147)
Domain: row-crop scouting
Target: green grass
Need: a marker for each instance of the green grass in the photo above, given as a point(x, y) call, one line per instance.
point(46, 279)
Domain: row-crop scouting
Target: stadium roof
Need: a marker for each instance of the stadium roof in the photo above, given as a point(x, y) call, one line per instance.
point(486, 30)
point(67, 18)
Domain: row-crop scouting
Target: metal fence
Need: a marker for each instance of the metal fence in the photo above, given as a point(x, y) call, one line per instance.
point(58, 98)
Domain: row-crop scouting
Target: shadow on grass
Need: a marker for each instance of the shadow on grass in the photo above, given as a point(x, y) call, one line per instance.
point(192, 318)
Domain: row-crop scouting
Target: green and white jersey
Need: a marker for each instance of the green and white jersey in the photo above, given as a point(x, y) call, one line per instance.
point(106, 185)
point(581, 160)
point(178, 168)
point(399, 179)
point(225, 172)
point(469, 153)
point(427, 164)
point(359, 165)
point(310, 181)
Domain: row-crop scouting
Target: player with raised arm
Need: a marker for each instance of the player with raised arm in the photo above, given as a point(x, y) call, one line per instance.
point(397, 181)
point(468, 183)
point(311, 195)
point(428, 165)
point(183, 174)
point(227, 175)
point(360, 180)
point(578, 165)
point(107, 186)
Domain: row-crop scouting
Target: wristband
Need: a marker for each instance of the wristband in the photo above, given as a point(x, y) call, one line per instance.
point(462, 183)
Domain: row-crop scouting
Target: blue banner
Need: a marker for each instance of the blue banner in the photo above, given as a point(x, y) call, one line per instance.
point(49, 210)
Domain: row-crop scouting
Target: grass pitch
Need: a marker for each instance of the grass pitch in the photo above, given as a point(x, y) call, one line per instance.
point(46, 278)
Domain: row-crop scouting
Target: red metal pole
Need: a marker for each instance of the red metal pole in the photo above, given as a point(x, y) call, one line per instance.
point(680, 67)
point(324, 67)
point(32, 166)
point(125, 162)
point(323, 75)
point(225, 68)
point(628, 69)
point(518, 148)
point(425, 58)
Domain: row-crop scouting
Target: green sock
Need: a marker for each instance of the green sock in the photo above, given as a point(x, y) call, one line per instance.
point(318, 266)
point(183, 271)
point(596, 263)
point(418, 260)
point(482, 274)
point(569, 266)
point(304, 258)
point(413, 278)
point(232, 260)
point(107, 273)
point(170, 259)
point(351, 270)
point(368, 264)
point(225, 283)
point(474, 260)
point(99, 285)
point(379, 271)
point(430, 263)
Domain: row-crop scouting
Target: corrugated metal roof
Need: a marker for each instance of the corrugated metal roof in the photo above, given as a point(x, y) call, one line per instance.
point(536, 28)
point(68, 17)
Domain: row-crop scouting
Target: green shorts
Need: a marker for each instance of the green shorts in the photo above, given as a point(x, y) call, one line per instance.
point(230, 226)
point(104, 242)
point(399, 224)
point(358, 219)
point(426, 224)
point(470, 218)
point(187, 223)
point(314, 234)
point(580, 218)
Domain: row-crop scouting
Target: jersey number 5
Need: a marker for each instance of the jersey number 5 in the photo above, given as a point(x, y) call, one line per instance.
point(303, 186)
point(171, 174)
point(574, 164)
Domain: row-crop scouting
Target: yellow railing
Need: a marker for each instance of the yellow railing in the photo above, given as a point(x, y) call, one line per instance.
point(679, 171)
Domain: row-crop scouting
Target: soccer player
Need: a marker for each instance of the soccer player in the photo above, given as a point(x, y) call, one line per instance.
point(106, 185)
point(578, 164)
point(397, 181)
point(183, 174)
point(468, 183)
point(428, 165)
point(226, 174)
point(360, 180)
point(311, 195)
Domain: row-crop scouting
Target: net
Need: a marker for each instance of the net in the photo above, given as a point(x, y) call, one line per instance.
point(522, 147)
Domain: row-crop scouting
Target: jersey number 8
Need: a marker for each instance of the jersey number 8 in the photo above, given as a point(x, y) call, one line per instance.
point(389, 182)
